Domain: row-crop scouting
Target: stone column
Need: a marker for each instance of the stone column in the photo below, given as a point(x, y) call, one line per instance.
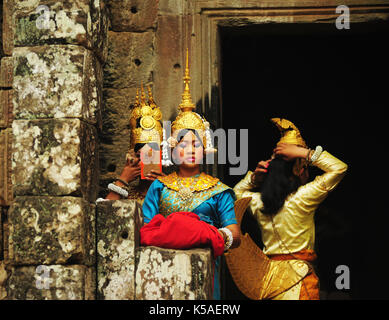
point(58, 50)
point(118, 225)
point(6, 117)
point(130, 61)
point(165, 274)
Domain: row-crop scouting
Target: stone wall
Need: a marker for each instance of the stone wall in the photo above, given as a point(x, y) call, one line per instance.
point(69, 71)
point(165, 274)
point(51, 93)
point(6, 117)
point(145, 45)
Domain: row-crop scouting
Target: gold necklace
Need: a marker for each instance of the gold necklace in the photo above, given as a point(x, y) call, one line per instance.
point(186, 193)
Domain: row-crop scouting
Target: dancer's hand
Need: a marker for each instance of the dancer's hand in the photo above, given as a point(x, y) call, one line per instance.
point(131, 170)
point(154, 175)
point(260, 171)
point(290, 151)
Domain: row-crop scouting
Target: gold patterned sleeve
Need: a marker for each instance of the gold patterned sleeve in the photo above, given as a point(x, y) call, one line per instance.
point(309, 196)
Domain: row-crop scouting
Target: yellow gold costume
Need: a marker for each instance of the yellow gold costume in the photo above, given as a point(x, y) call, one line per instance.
point(295, 220)
point(289, 235)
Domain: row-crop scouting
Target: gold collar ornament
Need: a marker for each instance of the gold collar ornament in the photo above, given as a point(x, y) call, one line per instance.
point(291, 135)
point(188, 119)
point(195, 184)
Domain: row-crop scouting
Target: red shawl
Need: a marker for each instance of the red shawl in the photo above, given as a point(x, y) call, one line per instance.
point(181, 230)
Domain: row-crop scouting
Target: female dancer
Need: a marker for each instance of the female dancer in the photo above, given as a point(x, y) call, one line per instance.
point(146, 130)
point(286, 203)
point(189, 190)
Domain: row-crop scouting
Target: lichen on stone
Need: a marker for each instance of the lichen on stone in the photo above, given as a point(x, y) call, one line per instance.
point(168, 274)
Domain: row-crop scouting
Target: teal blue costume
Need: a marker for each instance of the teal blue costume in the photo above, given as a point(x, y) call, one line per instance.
point(212, 201)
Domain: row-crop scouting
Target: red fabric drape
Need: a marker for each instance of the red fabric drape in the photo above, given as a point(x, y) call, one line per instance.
point(181, 230)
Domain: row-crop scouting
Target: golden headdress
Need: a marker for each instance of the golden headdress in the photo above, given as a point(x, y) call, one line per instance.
point(145, 120)
point(290, 134)
point(188, 119)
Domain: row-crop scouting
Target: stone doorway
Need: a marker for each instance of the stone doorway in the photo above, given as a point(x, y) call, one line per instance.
point(322, 79)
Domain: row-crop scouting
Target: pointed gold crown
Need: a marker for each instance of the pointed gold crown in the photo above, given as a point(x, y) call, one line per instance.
point(187, 119)
point(145, 119)
point(289, 132)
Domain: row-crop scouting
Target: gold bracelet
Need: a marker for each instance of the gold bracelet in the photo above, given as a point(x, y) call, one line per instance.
point(308, 157)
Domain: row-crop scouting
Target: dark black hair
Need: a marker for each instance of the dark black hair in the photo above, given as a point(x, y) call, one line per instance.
point(183, 132)
point(153, 145)
point(278, 183)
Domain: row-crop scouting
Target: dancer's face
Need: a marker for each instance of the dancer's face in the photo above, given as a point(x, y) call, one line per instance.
point(189, 151)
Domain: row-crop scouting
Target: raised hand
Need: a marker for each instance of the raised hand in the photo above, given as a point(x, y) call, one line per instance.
point(290, 151)
point(131, 170)
point(154, 175)
point(259, 172)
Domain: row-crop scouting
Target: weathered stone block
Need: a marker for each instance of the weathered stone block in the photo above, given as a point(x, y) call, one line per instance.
point(173, 274)
point(51, 230)
point(1, 234)
point(169, 65)
point(5, 167)
point(5, 242)
point(54, 157)
point(4, 274)
point(56, 82)
point(6, 72)
point(133, 15)
point(6, 108)
point(8, 27)
point(130, 59)
point(171, 7)
point(80, 22)
point(115, 137)
point(118, 225)
point(52, 282)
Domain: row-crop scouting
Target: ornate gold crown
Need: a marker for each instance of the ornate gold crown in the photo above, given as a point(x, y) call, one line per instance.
point(289, 132)
point(187, 119)
point(145, 120)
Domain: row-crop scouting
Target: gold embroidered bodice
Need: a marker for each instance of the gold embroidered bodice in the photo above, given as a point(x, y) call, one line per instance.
point(203, 186)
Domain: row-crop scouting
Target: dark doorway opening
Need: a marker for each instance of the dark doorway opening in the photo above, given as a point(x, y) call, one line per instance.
point(329, 83)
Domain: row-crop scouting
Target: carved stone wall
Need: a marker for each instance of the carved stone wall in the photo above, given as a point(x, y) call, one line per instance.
point(145, 45)
point(51, 92)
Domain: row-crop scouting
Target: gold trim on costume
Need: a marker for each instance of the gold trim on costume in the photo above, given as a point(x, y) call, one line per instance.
point(206, 187)
point(257, 276)
point(204, 182)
